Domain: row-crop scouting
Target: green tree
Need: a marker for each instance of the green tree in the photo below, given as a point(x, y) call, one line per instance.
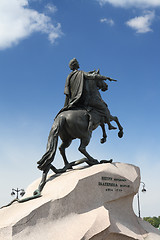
point(154, 221)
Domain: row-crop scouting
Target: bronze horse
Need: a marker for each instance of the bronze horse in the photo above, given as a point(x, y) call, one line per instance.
point(69, 125)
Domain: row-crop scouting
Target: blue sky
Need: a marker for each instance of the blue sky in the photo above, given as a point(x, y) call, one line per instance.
point(37, 40)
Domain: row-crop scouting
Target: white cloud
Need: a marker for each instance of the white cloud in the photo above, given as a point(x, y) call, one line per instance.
point(131, 3)
point(143, 23)
point(51, 8)
point(18, 21)
point(107, 21)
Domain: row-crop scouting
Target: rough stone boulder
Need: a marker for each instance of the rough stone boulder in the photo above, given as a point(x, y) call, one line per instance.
point(88, 203)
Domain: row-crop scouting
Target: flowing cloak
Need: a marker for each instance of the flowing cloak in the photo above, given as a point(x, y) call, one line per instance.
point(74, 90)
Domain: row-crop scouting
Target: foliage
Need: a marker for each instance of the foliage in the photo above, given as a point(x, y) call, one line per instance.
point(155, 221)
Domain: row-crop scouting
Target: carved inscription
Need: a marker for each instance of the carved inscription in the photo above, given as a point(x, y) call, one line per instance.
point(113, 184)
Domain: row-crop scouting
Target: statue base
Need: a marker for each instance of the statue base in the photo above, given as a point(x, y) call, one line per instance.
point(84, 203)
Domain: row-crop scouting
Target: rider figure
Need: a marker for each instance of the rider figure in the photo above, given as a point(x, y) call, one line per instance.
point(79, 93)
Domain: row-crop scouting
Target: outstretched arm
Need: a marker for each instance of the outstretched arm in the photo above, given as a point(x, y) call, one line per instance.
point(94, 76)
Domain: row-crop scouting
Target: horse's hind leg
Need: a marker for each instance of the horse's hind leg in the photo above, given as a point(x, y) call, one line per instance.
point(63, 146)
point(82, 149)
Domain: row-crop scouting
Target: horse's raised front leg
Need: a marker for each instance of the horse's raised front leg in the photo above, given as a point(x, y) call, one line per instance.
point(82, 149)
point(103, 140)
point(114, 118)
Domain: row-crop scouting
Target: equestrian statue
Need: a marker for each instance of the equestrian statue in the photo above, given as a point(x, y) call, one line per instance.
point(84, 110)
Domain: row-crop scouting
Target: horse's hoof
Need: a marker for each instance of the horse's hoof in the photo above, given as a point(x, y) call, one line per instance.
point(92, 162)
point(106, 161)
point(62, 170)
point(103, 140)
point(36, 192)
point(120, 134)
point(95, 161)
point(69, 166)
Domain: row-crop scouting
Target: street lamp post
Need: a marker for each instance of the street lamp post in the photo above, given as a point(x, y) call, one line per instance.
point(143, 190)
point(17, 192)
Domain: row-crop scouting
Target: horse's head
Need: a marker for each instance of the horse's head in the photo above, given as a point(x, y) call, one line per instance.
point(101, 84)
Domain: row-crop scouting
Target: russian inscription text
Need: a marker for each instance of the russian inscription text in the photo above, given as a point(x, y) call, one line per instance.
point(114, 184)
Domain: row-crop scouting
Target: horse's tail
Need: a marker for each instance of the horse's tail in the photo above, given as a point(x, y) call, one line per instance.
point(45, 162)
